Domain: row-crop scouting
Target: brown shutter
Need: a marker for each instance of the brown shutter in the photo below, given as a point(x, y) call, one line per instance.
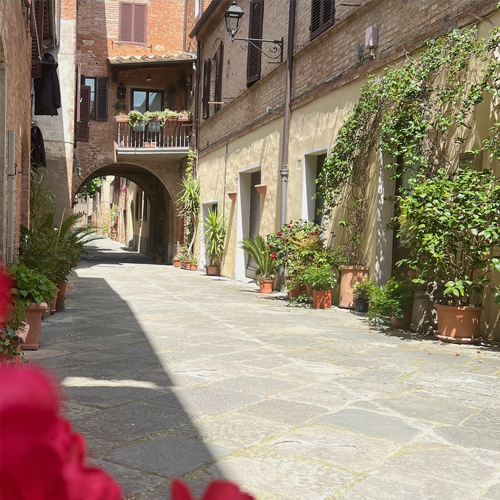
point(140, 23)
point(255, 31)
point(36, 42)
point(322, 16)
point(207, 66)
point(125, 27)
point(78, 89)
point(219, 60)
point(101, 99)
point(82, 133)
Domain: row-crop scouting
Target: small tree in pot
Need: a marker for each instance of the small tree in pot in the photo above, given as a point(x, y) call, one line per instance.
point(451, 223)
point(215, 236)
point(260, 252)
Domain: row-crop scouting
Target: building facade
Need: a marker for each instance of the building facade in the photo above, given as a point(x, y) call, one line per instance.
point(271, 124)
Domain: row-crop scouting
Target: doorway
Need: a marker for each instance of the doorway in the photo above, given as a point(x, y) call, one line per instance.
point(311, 206)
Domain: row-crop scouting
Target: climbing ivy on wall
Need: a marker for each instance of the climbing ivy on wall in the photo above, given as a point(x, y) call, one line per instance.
point(421, 111)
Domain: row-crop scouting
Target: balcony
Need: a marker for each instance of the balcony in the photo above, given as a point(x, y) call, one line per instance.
point(171, 139)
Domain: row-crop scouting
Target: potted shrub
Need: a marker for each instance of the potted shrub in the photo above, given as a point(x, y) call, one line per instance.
point(193, 263)
point(258, 249)
point(31, 294)
point(322, 280)
point(393, 301)
point(215, 235)
point(450, 223)
point(362, 291)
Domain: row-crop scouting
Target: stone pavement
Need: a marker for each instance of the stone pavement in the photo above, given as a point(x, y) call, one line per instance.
point(171, 373)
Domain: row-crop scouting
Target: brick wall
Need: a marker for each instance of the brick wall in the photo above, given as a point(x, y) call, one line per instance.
point(324, 64)
point(15, 90)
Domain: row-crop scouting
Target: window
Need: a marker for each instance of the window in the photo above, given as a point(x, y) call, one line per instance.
point(132, 23)
point(147, 100)
point(98, 98)
point(322, 16)
point(218, 76)
point(207, 67)
point(255, 31)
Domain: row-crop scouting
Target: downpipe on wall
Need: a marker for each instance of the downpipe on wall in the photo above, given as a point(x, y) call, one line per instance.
point(11, 191)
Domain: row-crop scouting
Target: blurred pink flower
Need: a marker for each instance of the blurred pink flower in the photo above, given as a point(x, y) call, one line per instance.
point(6, 284)
point(41, 457)
point(216, 490)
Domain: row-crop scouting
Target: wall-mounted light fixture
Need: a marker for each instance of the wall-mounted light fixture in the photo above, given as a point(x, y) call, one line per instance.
point(148, 78)
point(121, 91)
point(233, 18)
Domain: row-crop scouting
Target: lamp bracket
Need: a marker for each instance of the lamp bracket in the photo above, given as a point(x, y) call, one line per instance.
point(275, 48)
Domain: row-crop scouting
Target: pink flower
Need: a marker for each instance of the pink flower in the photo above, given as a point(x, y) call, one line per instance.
point(273, 255)
point(216, 490)
point(41, 457)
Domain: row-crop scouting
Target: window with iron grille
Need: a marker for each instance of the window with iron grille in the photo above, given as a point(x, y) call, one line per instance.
point(254, 57)
point(218, 58)
point(322, 16)
point(132, 23)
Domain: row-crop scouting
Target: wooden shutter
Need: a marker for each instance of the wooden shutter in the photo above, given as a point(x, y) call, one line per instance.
point(322, 16)
point(255, 31)
point(219, 60)
point(82, 132)
point(125, 28)
point(101, 99)
point(36, 42)
point(207, 66)
point(133, 23)
point(140, 23)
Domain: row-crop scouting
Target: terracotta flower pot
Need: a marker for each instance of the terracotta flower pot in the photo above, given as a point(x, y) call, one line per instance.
point(266, 286)
point(348, 276)
point(212, 270)
point(193, 267)
point(322, 299)
point(34, 314)
point(295, 292)
point(176, 262)
point(53, 304)
point(23, 334)
point(458, 324)
point(403, 324)
point(61, 296)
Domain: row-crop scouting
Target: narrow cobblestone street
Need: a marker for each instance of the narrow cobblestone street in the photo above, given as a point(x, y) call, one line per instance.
point(170, 373)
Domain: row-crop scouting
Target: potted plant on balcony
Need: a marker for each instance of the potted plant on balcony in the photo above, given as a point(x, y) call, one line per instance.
point(214, 236)
point(134, 117)
point(450, 223)
point(258, 249)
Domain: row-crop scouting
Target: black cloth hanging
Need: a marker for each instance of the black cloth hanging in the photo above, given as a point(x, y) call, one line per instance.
point(37, 148)
point(47, 90)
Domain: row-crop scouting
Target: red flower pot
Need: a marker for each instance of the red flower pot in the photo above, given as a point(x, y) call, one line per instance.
point(322, 299)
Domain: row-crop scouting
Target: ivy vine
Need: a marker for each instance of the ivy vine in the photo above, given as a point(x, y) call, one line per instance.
point(422, 112)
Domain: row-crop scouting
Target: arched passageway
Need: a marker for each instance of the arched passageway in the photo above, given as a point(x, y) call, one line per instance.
point(144, 229)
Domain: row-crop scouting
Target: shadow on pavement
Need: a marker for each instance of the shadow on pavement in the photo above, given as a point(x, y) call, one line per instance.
point(118, 393)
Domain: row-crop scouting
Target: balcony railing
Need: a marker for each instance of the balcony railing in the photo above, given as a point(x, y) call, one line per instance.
point(172, 135)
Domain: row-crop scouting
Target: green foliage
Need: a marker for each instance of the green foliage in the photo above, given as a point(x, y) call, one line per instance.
point(394, 299)
point(51, 250)
point(188, 203)
point(9, 339)
point(31, 286)
point(258, 249)
point(215, 235)
point(321, 277)
point(91, 188)
point(452, 225)
point(135, 117)
point(363, 289)
point(420, 111)
point(41, 198)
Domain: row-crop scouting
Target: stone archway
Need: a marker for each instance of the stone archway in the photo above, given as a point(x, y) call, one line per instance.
point(161, 187)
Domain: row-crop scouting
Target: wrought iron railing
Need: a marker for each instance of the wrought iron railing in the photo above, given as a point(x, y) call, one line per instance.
point(173, 134)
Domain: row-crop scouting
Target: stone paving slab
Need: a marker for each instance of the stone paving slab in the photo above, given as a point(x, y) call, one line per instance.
point(170, 373)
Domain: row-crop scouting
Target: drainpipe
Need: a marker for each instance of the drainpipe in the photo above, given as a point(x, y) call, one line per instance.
point(197, 98)
point(11, 189)
point(185, 27)
point(287, 112)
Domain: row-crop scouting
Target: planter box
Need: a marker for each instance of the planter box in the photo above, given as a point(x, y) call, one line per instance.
point(348, 276)
point(458, 324)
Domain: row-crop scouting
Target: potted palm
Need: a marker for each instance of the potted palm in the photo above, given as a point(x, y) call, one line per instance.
point(258, 249)
point(450, 223)
point(215, 235)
